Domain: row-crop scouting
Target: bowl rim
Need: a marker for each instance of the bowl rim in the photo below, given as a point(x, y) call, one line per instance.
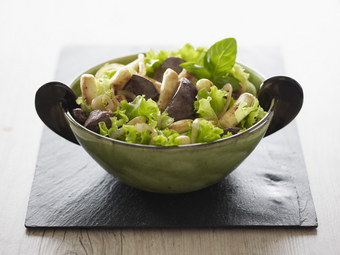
point(253, 128)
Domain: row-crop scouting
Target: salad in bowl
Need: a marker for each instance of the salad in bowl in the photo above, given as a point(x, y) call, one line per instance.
point(171, 98)
point(170, 121)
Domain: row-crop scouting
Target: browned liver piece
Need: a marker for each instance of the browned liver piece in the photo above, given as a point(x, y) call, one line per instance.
point(181, 105)
point(97, 116)
point(171, 62)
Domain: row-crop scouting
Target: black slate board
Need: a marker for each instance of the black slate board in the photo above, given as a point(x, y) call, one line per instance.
point(270, 189)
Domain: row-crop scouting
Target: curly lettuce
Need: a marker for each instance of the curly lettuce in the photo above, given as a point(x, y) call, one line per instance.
point(154, 59)
point(239, 73)
point(210, 103)
point(248, 116)
point(87, 108)
point(103, 87)
point(141, 107)
point(148, 109)
point(207, 132)
point(166, 137)
point(133, 136)
point(115, 124)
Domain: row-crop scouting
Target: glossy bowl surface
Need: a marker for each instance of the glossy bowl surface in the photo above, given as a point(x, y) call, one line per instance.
point(179, 169)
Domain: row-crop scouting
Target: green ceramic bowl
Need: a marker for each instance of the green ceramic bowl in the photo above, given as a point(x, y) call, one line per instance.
point(179, 169)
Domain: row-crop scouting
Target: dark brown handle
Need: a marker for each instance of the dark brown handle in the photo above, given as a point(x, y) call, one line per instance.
point(51, 100)
point(288, 96)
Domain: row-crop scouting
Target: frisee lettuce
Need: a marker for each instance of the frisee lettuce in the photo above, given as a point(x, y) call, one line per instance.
point(154, 59)
point(216, 99)
point(103, 87)
point(166, 120)
point(87, 108)
point(207, 132)
point(204, 108)
point(239, 73)
point(115, 124)
point(248, 116)
point(141, 107)
point(166, 137)
point(133, 136)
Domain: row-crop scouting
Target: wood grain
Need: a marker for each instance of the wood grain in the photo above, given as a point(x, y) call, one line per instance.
point(61, 241)
point(173, 241)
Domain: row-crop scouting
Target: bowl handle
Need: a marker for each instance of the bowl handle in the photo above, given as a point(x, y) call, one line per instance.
point(51, 100)
point(288, 99)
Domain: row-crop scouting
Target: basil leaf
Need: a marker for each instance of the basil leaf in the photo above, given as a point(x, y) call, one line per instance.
point(221, 57)
point(196, 70)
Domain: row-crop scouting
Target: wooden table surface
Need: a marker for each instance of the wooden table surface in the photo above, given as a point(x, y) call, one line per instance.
point(32, 34)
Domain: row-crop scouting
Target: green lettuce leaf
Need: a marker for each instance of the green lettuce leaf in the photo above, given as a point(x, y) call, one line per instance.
point(204, 108)
point(104, 131)
point(108, 74)
point(248, 116)
point(166, 137)
point(207, 132)
point(103, 87)
point(141, 107)
point(120, 114)
point(239, 73)
point(210, 103)
point(166, 120)
point(228, 134)
point(189, 53)
point(154, 59)
point(87, 108)
point(115, 124)
point(133, 136)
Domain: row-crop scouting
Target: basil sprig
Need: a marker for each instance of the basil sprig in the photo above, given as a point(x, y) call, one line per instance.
point(217, 63)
